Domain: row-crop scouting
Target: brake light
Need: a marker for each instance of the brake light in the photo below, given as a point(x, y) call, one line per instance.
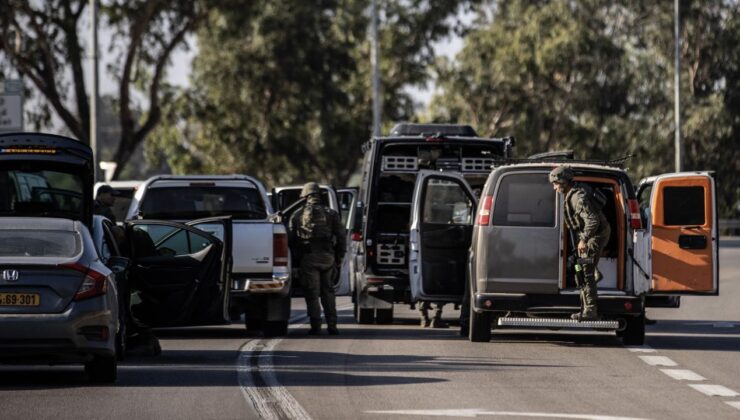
point(484, 214)
point(279, 249)
point(635, 219)
point(356, 236)
point(94, 284)
point(434, 139)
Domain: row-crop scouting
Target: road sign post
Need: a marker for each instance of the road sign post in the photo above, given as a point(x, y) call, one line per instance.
point(11, 105)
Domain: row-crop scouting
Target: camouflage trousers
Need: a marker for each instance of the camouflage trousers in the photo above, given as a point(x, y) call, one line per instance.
point(317, 271)
point(594, 247)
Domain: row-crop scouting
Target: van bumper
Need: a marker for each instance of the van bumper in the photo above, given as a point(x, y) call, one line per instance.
point(555, 304)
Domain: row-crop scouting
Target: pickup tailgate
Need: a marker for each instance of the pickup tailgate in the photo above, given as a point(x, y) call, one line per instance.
point(252, 247)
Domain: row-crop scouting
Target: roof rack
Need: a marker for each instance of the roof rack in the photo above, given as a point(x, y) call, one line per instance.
point(409, 129)
point(553, 157)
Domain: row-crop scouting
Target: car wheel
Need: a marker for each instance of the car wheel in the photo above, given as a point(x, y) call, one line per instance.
point(275, 328)
point(253, 324)
point(363, 315)
point(384, 316)
point(102, 369)
point(634, 331)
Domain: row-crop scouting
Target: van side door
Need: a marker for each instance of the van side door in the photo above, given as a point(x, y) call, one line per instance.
point(346, 198)
point(442, 215)
point(683, 240)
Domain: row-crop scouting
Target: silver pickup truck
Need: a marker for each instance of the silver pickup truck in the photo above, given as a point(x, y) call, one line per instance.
point(260, 263)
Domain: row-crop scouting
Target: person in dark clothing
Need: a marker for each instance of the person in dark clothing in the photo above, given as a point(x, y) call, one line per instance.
point(104, 200)
point(318, 236)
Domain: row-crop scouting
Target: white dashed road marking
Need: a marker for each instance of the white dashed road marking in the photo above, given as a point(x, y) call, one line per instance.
point(475, 412)
point(714, 390)
point(658, 361)
point(683, 375)
point(641, 349)
point(735, 404)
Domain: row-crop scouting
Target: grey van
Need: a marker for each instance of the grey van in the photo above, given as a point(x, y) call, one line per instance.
point(509, 253)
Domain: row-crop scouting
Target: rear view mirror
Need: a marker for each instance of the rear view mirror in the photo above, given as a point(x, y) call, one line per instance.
point(118, 264)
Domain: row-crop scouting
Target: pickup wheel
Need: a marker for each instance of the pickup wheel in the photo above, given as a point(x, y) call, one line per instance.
point(634, 331)
point(384, 316)
point(253, 324)
point(275, 328)
point(365, 315)
point(102, 369)
point(480, 326)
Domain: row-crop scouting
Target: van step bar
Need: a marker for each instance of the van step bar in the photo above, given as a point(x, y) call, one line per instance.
point(557, 323)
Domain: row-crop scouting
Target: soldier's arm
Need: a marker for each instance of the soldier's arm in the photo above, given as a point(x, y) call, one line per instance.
point(589, 215)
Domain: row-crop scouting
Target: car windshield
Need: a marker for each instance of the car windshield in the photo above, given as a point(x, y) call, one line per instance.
point(27, 192)
point(39, 243)
point(194, 202)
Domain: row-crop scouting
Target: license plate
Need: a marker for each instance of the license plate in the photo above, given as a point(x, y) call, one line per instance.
point(20, 299)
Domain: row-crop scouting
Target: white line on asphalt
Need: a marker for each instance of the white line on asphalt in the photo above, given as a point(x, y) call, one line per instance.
point(658, 361)
point(475, 412)
point(641, 349)
point(714, 390)
point(724, 325)
point(269, 399)
point(735, 404)
point(683, 375)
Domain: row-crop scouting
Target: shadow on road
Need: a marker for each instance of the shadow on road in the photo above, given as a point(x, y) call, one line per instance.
point(695, 335)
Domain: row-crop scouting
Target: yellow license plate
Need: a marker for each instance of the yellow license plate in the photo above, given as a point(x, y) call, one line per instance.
point(20, 299)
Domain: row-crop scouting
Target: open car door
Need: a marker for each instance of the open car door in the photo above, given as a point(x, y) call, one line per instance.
point(683, 238)
point(347, 198)
point(179, 271)
point(442, 215)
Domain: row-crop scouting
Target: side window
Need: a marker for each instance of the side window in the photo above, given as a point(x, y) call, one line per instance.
point(683, 206)
point(175, 243)
point(525, 200)
point(445, 202)
point(160, 240)
point(199, 242)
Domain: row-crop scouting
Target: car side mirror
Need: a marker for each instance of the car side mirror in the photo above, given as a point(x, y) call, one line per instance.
point(118, 264)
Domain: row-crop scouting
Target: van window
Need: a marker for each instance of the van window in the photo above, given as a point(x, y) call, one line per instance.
point(683, 206)
point(445, 202)
point(524, 200)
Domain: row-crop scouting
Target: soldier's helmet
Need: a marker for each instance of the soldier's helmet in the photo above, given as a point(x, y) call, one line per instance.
point(562, 175)
point(310, 188)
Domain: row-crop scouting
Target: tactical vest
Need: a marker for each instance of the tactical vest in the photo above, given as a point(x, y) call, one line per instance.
point(596, 198)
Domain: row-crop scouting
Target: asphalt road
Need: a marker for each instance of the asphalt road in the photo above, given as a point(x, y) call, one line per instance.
point(689, 369)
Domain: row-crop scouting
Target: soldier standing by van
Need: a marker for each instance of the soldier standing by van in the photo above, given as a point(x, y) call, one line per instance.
point(583, 216)
point(317, 235)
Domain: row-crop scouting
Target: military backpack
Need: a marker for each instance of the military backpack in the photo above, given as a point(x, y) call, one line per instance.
point(315, 223)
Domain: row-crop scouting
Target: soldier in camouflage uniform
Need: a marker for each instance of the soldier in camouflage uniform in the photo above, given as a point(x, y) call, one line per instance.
point(591, 228)
point(317, 235)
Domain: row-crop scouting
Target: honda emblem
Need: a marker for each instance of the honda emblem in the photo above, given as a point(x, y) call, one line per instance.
point(10, 275)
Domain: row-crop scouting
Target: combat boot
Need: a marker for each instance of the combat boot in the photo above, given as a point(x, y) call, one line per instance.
point(315, 327)
point(438, 322)
point(424, 320)
point(590, 295)
point(577, 316)
point(332, 330)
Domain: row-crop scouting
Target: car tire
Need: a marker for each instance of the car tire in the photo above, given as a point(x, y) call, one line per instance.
point(384, 316)
point(275, 328)
point(363, 315)
point(253, 324)
point(102, 369)
point(480, 326)
point(634, 331)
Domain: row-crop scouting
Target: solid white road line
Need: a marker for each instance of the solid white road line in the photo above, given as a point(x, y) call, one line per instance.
point(714, 390)
point(658, 361)
point(475, 412)
point(683, 375)
point(735, 404)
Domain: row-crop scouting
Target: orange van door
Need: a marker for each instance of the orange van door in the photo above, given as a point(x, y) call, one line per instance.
point(684, 237)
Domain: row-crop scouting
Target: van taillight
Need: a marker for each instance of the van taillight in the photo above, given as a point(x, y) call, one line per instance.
point(356, 236)
point(279, 249)
point(484, 215)
point(94, 284)
point(635, 219)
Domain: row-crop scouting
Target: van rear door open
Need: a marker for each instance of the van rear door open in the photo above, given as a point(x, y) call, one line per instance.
point(443, 211)
point(683, 235)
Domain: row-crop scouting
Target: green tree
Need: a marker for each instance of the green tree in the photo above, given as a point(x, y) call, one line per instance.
point(281, 89)
point(596, 76)
point(44, 42)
